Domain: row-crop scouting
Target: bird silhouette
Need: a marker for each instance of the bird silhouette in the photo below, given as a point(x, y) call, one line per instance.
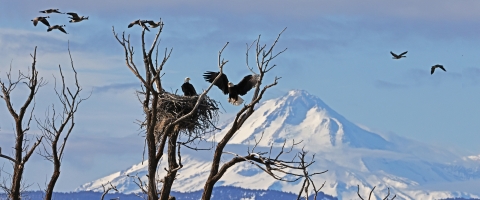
point(402, 55)
point(436, 66)
point(48, 11)
point(75, 18)
point(140, 23)
point(59, 27)
point(40, 19)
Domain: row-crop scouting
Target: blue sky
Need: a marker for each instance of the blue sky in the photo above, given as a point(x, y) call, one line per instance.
point(337, 50)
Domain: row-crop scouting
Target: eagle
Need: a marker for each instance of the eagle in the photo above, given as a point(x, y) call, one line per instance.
point(402, 55)
point(188, 89)
point(436, 66)
point(246, 84)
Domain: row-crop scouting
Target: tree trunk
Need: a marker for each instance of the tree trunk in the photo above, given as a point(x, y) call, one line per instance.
point(152, 167)
point(18, 171)
point(172, 165)
point(53, 180)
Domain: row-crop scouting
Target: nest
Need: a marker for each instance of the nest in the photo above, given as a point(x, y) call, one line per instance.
point(171, 107)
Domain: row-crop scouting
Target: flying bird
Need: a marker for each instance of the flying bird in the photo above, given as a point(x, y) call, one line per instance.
point(402, 55)
point(75, 18)
point(59, 27)
point(51, 11)
point(246, 84)
point(40, 19)
point(140, 23)
point(152, 24)
point(436, 66)
point(188, 89)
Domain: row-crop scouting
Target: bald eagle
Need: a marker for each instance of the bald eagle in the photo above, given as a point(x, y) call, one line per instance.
point(402, 55)
point(188, 89)
point(246, 84)
point(436, 66)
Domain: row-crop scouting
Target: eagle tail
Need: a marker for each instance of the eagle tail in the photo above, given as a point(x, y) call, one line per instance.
point(238, 102)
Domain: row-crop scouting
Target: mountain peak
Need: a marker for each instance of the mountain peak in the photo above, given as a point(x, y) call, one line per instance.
point(299, 114)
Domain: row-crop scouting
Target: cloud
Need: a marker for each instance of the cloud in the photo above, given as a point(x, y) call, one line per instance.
point(116, 87)
point(381, 84)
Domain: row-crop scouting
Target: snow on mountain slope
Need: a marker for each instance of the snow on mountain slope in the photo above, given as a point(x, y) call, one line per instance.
point(301, 116)
point(353, 156)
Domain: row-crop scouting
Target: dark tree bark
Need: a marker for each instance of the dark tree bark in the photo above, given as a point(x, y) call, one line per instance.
point(22, 150)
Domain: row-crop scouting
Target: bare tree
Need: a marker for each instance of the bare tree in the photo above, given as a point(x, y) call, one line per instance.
point(272, 164)
point(22, 149)
point(308, 178)
point(58, 125)
point(165, 133)
point(107, 189)
point(161, 133)
point(371, 192)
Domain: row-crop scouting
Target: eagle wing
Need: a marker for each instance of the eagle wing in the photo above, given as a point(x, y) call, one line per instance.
point(221, 83)
point(246, 84)
point(393, 54)
point(433, 69)
point(403, 53)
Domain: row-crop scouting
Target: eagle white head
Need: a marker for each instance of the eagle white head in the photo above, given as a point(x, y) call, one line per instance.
point(187, 80)
point(230, 84)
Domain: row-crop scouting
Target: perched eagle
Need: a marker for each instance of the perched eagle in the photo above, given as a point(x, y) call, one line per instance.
point(402, 55)
point(246, 84)
point(436, 66)
point(188, 89)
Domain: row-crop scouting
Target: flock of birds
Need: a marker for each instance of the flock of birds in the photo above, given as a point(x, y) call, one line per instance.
point(402, 55)
point(74, 17)
point(234, 91)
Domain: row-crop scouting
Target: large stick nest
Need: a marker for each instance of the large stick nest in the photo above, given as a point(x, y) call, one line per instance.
point(171, 107)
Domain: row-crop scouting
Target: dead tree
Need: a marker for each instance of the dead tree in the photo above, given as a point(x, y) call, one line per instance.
point(107, 189)
point(56, 128)
point(271, 163)
point(22, 119)
point(371, 192)
point(161, 131)
point(308, 178)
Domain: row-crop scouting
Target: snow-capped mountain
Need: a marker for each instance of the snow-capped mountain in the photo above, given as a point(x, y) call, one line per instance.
point(354, 156)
